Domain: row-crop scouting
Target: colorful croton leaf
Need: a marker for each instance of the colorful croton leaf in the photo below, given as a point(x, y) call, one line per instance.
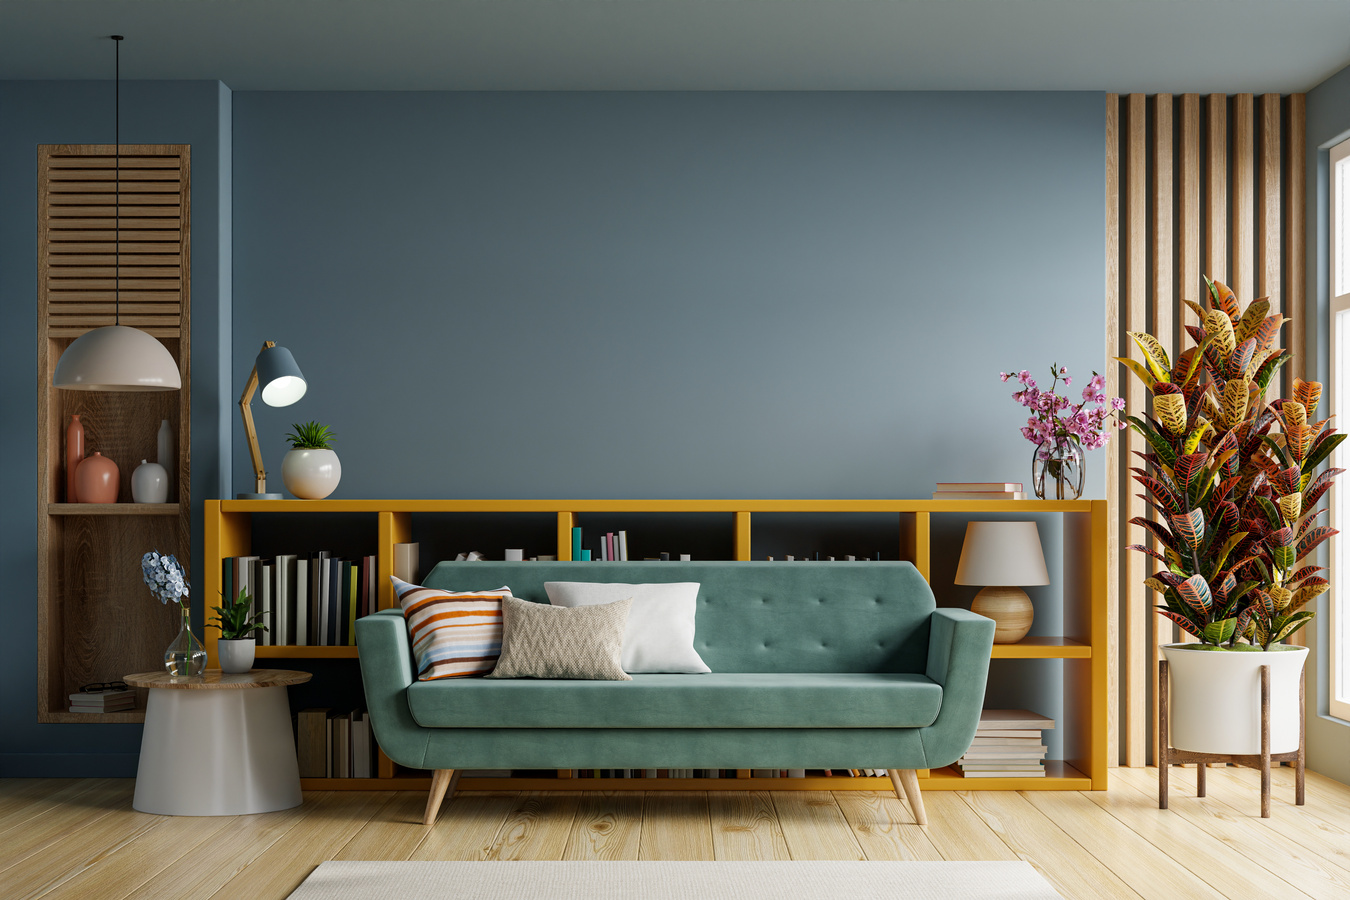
point(1231, 476)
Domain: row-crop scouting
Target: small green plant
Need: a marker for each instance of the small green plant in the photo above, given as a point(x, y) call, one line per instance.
point(310, 436)
point(234, 619)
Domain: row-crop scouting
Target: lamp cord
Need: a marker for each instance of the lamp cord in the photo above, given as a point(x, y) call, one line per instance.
point(117, 180)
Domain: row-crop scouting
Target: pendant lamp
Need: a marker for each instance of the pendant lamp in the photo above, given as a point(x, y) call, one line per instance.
point(117, 357)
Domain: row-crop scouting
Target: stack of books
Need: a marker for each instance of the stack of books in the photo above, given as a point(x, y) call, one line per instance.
point(979, 490)
point(335, 744)
point(103, 701)
point(1008, 744)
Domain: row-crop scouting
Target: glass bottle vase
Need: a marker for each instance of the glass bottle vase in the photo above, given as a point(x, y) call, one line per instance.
point(186, 655)
point(1057, 471)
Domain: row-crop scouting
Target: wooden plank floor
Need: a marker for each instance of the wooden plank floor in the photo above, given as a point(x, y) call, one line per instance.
point(79, 838)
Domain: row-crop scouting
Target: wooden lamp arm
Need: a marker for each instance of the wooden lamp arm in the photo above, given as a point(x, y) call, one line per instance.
point(250, 431)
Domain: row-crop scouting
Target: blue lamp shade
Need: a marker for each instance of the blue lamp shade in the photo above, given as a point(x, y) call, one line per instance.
point(279, 378)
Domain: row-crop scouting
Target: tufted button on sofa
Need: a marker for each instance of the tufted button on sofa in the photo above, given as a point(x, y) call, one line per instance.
point(814, 665)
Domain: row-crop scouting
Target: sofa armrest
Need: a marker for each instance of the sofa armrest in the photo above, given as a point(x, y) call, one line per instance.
point(387, 672)
point(959, 647)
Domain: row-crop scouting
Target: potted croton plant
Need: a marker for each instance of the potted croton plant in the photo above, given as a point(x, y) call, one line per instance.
point(239, 626)
point(1232, 477)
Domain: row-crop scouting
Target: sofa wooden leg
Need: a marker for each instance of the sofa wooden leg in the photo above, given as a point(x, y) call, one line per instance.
point(442, 786)
point(906, 782)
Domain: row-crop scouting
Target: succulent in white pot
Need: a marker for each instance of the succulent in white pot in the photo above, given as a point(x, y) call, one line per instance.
point(311, 470)
point(238, 626)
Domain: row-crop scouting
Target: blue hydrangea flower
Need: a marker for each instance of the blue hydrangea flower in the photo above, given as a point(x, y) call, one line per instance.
point(164, 576)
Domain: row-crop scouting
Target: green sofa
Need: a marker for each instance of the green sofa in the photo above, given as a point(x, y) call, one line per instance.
point(814, 665)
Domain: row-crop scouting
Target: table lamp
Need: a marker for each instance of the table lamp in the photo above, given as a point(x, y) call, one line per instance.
point(278, 377)
point(1000, 555)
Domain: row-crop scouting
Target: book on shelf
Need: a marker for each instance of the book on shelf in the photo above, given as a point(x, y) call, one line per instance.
point(311, 601)
point(406, 560)
point(979, 495)
point(1007, 744)
point(103, 701)
point(1002, 487)
point(576, 543)
point(311, 742)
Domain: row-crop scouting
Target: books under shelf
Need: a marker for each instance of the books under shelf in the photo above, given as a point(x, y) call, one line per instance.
point(335, 743)
point(1009, 743)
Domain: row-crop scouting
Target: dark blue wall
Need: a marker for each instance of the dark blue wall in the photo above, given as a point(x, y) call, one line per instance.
point(666, 295)
point(33, 113)
point(647, 295)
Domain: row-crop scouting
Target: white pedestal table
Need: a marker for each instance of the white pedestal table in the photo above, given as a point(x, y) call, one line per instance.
point(217, 744)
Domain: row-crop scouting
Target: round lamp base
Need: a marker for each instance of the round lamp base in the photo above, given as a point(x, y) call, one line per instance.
point(1011, 610)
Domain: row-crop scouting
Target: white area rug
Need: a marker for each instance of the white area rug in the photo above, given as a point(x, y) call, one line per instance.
point(674, 881)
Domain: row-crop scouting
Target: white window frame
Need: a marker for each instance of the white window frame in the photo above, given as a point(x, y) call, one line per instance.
point(1339, 320)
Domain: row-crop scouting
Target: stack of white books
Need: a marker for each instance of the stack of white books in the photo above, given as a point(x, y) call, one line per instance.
point(1008, 744)
point(118, 700)
point(979, 490)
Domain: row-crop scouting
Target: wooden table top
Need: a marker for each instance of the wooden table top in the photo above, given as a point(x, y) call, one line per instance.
point(215, 680)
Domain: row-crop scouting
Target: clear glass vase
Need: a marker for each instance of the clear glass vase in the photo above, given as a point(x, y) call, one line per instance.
point(186, 655)
point(1057, 470)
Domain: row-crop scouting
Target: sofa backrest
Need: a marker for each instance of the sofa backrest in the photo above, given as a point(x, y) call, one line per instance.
point(759, 616)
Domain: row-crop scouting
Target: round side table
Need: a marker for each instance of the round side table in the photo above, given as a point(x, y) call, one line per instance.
point(216, 744)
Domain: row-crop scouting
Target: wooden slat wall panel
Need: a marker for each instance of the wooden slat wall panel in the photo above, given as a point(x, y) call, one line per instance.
point(96, 208)
point(1114, 347)
point(1241, 211)
point(1161, 311)
point(1216, 190)
point(1136, 319)
point(1249, 235)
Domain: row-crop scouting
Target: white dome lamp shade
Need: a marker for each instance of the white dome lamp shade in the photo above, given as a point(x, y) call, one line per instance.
point(117, 357)
point(278, 379)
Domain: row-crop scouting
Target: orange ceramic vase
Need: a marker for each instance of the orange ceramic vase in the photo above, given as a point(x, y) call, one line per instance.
point(96, 479)
point(74, 454)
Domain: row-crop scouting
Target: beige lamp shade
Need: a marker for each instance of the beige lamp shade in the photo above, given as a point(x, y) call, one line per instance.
point(116, 358)
point(1002, 553)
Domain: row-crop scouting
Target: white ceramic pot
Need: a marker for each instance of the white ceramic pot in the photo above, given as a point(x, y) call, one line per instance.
point(1214, 699)
point(311, 474)
point(236, 657)
point(149, 483)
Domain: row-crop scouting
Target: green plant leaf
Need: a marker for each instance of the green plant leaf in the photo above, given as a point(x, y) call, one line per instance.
point(1326, 442)
point(1195, 593)
point(1186, 624)
point(1313, 538)
point(1217, 632)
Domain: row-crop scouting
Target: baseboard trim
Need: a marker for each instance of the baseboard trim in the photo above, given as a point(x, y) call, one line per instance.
point(68, 765)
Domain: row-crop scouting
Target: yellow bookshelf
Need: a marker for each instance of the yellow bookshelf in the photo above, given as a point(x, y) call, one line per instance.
point(1082, 646)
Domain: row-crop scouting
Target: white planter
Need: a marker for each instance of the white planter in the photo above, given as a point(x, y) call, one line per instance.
point(236, 657)
point(311, 474)
point(1214, 699)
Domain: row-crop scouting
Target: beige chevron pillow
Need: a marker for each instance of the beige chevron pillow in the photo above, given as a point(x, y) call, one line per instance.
point(543, 641)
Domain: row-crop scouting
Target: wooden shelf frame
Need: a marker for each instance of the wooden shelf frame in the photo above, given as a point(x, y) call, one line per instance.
point(96, 620)
point(1082, 647)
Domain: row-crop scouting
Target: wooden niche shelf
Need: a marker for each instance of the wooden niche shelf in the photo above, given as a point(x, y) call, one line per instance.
point(96, 620)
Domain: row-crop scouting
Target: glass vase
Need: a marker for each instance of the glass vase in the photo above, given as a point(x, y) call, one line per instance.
point(1057, 471)
point(186, 655)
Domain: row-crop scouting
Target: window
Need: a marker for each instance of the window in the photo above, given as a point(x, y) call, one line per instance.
point(1340, 406)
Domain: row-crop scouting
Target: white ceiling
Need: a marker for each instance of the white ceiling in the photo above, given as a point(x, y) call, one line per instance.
point(1113, 45)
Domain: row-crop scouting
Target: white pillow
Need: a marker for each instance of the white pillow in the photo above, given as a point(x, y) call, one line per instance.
point(659, 636)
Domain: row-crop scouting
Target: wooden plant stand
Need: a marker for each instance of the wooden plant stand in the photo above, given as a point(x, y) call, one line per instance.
point(1167, 755)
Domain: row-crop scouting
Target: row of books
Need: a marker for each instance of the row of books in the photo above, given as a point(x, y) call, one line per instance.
point(979, 490)
point(311, 600)
point(1009, 743)
point(613, 546)
point(105, 701)
point(335, 744)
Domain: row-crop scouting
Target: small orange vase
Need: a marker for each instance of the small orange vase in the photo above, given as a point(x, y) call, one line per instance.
point(96, 479)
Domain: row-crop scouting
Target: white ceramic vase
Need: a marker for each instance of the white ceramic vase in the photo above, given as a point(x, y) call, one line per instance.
point(1214, 699)
point(236, 657)
point(311, 474)
point(150, 483)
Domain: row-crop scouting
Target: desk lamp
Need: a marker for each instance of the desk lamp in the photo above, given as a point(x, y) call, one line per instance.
point(278, 377)
point(1000, 555)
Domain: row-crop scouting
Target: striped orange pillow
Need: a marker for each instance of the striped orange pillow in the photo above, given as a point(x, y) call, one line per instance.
point(454, 634)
